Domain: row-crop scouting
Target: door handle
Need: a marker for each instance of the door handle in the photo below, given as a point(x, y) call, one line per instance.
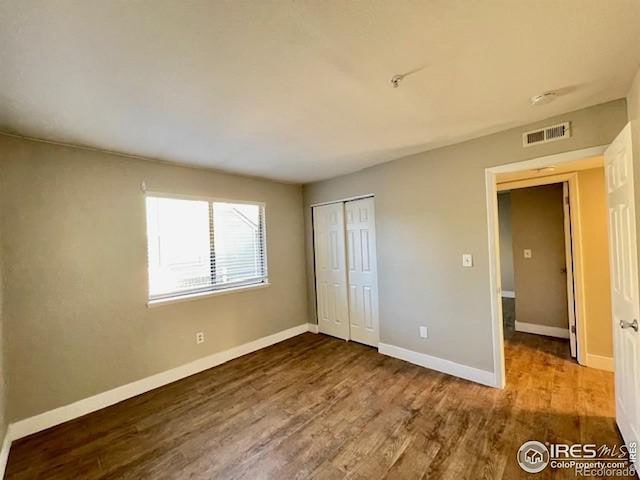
point(633, 324)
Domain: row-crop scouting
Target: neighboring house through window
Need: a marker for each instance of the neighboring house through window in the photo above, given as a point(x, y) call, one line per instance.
point(197, 246)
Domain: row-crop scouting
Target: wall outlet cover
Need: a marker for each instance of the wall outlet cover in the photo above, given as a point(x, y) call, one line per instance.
point(467, 260)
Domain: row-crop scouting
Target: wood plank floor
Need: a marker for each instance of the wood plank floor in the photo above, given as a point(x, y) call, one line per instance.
point(317, 407)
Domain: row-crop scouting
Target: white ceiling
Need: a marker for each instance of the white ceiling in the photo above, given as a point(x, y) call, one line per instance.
point(300, 90)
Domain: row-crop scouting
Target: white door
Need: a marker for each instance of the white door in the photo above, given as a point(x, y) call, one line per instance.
point(568, 250)
point(362, 271)
point(624, 284)
point(331, 274)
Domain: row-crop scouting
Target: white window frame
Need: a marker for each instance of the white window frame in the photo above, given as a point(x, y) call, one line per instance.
point(212, 291)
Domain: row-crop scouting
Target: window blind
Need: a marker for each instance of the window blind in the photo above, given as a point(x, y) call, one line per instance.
point(198, 246)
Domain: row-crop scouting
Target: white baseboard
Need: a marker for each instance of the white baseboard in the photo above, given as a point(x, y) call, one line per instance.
point(600, 362)
point(4, 452)
point(313, 327)
point(508, 294)
point(542, 330)
point(441, 365)
point(77, 409)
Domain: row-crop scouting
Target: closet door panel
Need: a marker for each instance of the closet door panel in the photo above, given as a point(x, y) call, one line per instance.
point(362, 272)
point(331, 271)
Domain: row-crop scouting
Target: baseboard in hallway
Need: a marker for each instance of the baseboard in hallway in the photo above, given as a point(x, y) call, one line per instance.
point(542, 330)
point(600, 362)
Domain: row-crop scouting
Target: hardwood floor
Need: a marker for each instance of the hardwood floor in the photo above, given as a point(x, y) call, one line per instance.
point(318, 407)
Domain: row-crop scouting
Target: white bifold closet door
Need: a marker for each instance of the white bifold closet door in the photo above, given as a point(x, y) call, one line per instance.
point(361, 272)
point(331, 271)
point(345, 243)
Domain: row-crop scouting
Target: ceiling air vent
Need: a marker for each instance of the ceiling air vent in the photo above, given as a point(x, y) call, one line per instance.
point(546, 135)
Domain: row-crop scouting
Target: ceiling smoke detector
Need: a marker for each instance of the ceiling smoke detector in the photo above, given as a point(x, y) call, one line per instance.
point(543, 98)
point(396, 79)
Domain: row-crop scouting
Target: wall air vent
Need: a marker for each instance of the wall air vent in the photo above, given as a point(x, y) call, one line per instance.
point(546, 135)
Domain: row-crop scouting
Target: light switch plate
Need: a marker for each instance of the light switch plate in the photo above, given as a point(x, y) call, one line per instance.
point(467, 260)
point(527, 253)
point(424, 332)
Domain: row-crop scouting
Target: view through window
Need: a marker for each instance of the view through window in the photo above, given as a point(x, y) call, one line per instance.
point(198, 246)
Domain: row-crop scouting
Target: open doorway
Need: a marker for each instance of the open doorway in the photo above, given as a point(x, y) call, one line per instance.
point(569, 191)
point(559, 230)
point(554, 259)
point(621, 286)
point(537, 262)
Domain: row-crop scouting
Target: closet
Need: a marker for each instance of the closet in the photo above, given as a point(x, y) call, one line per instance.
point(346, 270)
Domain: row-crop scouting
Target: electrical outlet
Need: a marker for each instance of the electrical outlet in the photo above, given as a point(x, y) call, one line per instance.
point(199, 338)
point(467, 260)
point(424, 332)
point(527, 253)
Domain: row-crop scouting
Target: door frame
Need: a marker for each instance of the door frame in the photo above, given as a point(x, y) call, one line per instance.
point(495, 286)
point(341, 200)
point(573, 251)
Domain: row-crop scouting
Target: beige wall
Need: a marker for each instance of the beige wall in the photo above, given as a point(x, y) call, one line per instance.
point(506, 242)
point(595, 262)
point(74, 249)
point(421, 237)
point(537, 221)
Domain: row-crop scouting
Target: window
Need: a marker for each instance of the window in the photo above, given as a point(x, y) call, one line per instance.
point(197, 246)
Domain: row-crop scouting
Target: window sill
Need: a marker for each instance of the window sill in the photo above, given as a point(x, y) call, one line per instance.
point(198, 296)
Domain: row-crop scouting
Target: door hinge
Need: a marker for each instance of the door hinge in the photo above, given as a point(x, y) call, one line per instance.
point(566, 200)
point(573, 329)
